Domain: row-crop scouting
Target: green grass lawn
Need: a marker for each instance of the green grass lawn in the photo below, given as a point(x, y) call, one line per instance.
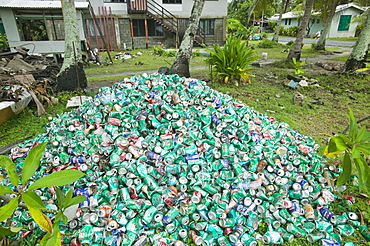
point(345, 39)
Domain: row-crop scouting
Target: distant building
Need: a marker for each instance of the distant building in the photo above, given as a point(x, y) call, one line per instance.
point(341, 26)
point(38, 25)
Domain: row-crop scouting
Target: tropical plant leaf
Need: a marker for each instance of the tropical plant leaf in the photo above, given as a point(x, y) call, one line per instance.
point(347, 170)
point(365, 150)
point(32, 200)
point(337, 144)
point(69, 196)
point(41, 219)
point(10, 169)
point(353, 127)
point(76, 200)
point(58, 217)
point(7, 210)
point(51, 239)
point(5, 190)
point(9, 231)
point(57, 179)
point(60, 197)
point(32, 161)
point(355, 152)
point(345, 138)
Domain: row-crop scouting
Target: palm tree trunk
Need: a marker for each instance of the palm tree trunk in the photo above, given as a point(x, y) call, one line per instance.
point(250, 10)
point(71, 76)
point(321, 42)
point(181, 63)
point(277, 29)
point(358, 55)
point(295, 52)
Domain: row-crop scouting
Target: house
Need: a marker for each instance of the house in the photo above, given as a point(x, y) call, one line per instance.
point(38, 25)
point(110, 24)
point(341, 26)
point(145, 23)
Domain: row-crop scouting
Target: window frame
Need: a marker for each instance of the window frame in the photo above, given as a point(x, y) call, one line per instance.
point(171, 1)
point(139, 28)
point(341, 26)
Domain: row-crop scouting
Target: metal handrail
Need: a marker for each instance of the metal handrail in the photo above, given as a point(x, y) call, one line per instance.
point(167, 17)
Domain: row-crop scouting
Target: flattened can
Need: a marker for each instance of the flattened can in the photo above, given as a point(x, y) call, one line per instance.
point(272, 237)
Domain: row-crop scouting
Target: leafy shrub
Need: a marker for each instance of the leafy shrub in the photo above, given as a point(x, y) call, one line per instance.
point(313, 45)
point(231, 63)
point(195, 53)
point(298, 66)
point(292, 31)
point(158, 50)
point(359, 29)
point(267, 44)
point(290, 44)
point(169, 53)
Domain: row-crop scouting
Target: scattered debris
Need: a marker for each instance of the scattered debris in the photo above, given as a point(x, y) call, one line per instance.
point(330, 66)
point(77, 101)
point(298, 98)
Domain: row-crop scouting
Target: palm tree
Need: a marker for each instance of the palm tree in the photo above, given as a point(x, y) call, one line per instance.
point(181, 63)
point(295, 52)
point(327, 13)
point(71, 76)
point(359, 52)
point(284, 5)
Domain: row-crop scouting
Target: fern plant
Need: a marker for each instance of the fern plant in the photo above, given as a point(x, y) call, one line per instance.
point(232, 62)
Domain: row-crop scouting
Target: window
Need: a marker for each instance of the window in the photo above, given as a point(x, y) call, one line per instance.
point(344, 22)
point(208, 26)
point(173, 1)
point(288, 22)
point(154, 29)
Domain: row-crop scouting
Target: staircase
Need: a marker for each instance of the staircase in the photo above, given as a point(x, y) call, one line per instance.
point(162, 16)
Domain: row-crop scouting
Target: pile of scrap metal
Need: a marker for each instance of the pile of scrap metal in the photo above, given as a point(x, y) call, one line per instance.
point(24, 77)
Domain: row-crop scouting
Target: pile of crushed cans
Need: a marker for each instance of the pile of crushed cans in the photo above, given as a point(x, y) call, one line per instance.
point(170, 161)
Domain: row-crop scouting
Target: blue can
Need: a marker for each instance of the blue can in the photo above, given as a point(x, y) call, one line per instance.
point(83, 192)
point(304, 184)
point(77, 159)
point(296, 209)
point(326, 242)
point(329, 215)
point(192, 157)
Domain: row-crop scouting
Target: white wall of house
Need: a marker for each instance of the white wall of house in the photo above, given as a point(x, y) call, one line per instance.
point(289, 22)
point(211, 8)
point(334, 33)
point(43, 47)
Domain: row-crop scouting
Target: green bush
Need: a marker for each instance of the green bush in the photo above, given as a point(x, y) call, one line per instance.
point(158, 50)
point(290, 44)
point(232, 62)
point(195, 53)
point(313, 45)
point(169, 53)
point(267, 44)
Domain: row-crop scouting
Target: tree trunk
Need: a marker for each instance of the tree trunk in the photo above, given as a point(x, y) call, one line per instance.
point(295, 52)
point(181, 63)
point(250, 10)
point(321, 42)
point(277, 29)
point(358, 55)
point(71, 76)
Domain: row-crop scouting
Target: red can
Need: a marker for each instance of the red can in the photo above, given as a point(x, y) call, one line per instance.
point(75, 242)
point(227, 231)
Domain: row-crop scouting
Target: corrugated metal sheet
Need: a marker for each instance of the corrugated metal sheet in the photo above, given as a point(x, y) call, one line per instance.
point(38, 4)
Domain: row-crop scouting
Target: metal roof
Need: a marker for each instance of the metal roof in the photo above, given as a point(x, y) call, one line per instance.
point(292, 15)
point(38, 4)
